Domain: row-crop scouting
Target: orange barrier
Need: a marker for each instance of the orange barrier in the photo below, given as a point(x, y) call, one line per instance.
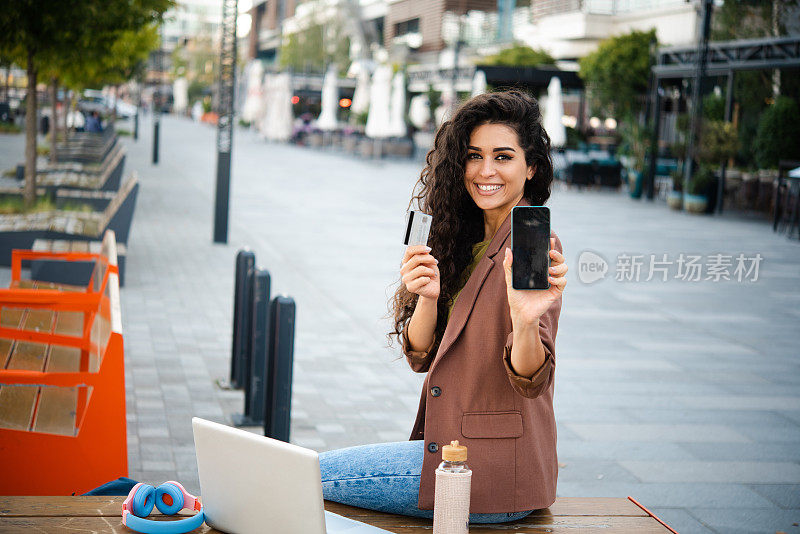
point(62, 380)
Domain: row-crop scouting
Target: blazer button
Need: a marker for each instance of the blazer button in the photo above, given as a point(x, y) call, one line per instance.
point(433, 447)
point(436, 391)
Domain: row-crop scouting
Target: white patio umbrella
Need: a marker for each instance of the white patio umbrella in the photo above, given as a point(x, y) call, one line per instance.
point(419, 111)
point(478, 83)
point(276, 122)
point(554, 110)
point(330, 101)
point(283, 117)
point(397, 109)
point(265, 119)
point(379, 96)
point(445, 109)
point(360, 70)
point(253, 106)
point(180, 95)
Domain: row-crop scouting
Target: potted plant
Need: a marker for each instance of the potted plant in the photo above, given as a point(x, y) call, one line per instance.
point(778, 132)
point(718, 143)
point(634, 146)
point(675, 197)
point(696, 200)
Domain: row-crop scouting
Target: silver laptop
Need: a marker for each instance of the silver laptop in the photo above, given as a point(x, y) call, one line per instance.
point(254, 484)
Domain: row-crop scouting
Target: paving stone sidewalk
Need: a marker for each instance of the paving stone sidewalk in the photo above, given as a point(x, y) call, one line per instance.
point(685, 395)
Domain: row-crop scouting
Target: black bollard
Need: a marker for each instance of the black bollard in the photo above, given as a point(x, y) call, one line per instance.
point(256, 385)
point(136, 125)
point(278, 409)
point(156, 127)
point(245, 264)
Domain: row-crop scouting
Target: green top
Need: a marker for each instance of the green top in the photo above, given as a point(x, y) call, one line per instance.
point(478, 250)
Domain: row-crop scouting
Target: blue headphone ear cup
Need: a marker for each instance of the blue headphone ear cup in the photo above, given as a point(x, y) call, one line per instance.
point(143, 500)
point(177, 499)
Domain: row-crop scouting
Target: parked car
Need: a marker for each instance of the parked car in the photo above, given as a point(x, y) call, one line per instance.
point(125, 110)
point(88, 104)
point(94, 100)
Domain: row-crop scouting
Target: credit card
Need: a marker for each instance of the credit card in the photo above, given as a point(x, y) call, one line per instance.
point(418, 227)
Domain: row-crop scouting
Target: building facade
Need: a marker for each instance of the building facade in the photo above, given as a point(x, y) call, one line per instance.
point(190, 19)
point(427, 18)
point(266, 27)
point(570, 29)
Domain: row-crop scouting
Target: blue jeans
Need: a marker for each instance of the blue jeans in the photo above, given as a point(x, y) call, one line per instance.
point(384, 477)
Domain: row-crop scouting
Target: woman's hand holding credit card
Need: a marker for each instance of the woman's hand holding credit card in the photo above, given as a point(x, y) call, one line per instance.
point(420, 271)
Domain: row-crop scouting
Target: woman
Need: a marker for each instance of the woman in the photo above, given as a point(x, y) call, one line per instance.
point(488, 349)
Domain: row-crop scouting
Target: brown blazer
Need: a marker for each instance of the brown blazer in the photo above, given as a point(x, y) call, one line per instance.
point(472, 394)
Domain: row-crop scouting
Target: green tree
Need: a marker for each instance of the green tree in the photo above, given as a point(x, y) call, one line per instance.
point(125, 59)
point(750, 19)
point(51, 34)
point(753, 90)
point(635, 141)
point(33, 33)
point(617, 73)
point(519, 56)
point(714, 107)
point(718, 142)
point(778, 133)
point(127, 56)
point(197, 62)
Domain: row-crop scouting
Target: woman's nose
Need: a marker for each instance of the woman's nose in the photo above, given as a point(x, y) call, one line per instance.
point(487, 169)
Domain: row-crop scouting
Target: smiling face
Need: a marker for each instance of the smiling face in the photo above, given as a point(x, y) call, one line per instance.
point(495, 172)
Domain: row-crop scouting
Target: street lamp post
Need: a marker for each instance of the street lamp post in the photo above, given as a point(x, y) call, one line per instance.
point(707, 7)
point(138, 108)
point(156, 126)
point(157, 96)
point(227, 78)
point(653, 106)
point(727, 118)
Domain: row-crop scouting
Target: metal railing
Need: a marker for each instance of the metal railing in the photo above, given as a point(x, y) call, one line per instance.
point(543, 8)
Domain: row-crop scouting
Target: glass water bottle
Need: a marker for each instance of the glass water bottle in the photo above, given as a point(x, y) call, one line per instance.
point(451, 497)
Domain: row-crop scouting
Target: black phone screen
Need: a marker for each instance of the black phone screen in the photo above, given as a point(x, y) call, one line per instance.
point(530, 246)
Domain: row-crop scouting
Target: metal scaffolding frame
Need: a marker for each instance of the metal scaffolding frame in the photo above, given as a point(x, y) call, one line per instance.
point(722, 58)
point(726, 56)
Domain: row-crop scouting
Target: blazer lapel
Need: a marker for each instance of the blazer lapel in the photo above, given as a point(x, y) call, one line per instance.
point(463, 306)
point(466, 300)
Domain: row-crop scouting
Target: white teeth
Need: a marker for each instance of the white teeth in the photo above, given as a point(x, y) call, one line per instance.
point(489, 187)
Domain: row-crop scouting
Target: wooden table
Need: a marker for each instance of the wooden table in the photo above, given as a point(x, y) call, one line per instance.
point(103, 514)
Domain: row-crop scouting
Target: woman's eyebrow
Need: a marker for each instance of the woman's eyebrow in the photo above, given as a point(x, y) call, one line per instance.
point(499, 149)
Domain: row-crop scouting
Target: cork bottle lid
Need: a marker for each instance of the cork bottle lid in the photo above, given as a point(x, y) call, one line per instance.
point(454, 452)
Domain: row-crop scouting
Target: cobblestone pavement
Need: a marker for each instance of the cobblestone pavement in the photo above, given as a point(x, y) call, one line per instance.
point(685, 395)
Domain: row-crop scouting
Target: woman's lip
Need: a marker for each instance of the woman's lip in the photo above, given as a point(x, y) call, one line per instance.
point(488, 193)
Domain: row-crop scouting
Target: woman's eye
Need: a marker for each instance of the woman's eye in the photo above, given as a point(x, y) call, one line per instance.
point(473, 155)
point(503, 156)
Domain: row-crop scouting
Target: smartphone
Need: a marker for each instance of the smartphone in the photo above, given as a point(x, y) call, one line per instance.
point(530, 246)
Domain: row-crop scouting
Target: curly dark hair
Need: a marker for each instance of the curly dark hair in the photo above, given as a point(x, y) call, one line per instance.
point(440, 191)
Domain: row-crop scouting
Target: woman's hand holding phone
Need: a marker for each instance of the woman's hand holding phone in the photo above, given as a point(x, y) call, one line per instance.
point(527, 306)
point(420, 272)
